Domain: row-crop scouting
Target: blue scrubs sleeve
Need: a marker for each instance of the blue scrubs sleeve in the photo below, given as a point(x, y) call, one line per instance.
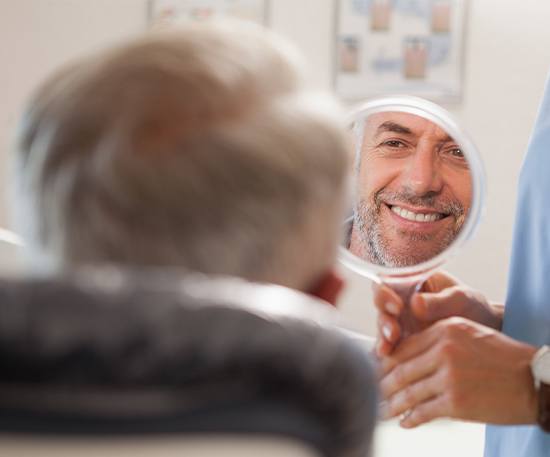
point(527, 314)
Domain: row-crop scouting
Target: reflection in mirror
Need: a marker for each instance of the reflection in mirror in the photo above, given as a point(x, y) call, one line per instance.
point(413, 190)
point(418, 195)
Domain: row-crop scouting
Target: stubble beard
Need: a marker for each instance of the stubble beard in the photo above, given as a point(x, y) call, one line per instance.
point(377, 248)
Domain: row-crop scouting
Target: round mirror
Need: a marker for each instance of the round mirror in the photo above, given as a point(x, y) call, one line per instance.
point(418, 191)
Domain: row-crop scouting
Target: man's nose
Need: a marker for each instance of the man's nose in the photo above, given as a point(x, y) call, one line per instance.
point(423, 174)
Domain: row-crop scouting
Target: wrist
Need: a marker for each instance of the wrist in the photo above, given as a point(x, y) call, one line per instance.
point(532, 403)
point(528, 405)
point(498, 315)
point(540, 369)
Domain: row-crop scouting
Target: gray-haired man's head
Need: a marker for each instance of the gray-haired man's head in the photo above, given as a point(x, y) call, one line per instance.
point(199, 148)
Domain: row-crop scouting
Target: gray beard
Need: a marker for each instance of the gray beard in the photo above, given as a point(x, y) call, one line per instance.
point(376, 248)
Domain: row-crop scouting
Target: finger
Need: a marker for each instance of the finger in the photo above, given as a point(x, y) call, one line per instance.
point(434, 408)
point(430, 307)
point(412, 396)
point(412, 347)
point(410, 372)
point(383, 348)
point(387, 300)
point(439, 281)
point(388, 328)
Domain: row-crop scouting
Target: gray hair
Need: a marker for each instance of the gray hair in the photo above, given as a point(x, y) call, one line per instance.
point(197, 148)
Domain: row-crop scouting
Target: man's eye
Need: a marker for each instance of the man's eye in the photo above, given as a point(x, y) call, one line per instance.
point(394, 144)
point(455, 152)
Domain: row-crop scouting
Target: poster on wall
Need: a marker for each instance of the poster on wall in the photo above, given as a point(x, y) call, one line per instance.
point(412, 47)
point(176, 11)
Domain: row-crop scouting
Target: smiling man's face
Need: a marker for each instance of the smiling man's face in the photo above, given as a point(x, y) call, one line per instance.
point(415, 191)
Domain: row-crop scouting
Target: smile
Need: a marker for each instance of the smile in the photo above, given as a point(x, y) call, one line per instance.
point(416, 216)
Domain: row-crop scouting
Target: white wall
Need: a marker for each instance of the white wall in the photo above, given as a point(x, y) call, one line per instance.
point(507, 58)
point(36, 36)
point(507, 61)
point(507, 65)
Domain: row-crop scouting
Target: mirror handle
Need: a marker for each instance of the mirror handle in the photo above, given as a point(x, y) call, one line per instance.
point(408, 322)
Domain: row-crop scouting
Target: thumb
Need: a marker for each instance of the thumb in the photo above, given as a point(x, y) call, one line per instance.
point(431, 307)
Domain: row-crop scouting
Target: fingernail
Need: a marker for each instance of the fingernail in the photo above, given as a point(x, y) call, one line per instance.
point(386, 330)
point(392, 308)
point(404, 419)
point(405, 424)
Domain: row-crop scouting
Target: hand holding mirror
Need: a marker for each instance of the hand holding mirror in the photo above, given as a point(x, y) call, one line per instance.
point(418, 193)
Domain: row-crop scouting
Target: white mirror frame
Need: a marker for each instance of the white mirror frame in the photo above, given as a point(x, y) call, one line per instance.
point(440, 117)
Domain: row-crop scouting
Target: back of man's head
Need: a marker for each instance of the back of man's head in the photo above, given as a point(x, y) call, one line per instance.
point(198, 148)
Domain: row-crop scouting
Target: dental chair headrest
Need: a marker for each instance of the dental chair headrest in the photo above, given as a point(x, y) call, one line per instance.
point(110, 353)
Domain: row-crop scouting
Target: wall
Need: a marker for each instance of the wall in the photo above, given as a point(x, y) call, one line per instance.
point(506, 65)
point(507, 61)
point(39, 35)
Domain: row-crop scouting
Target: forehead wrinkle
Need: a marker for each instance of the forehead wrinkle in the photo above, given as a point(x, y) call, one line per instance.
point(447, 139)
point(397, 127)
point(390, 126)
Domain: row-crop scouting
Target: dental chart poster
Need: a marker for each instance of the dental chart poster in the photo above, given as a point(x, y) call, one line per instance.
point(177, 11)
point(388, 47)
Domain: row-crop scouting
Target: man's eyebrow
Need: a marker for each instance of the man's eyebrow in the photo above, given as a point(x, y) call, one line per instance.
point(448, 139)
point(390, 126)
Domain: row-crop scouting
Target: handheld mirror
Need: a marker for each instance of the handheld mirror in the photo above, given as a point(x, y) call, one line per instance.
point(418, 192)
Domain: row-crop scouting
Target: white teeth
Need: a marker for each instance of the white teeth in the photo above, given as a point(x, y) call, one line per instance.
point(415, 217)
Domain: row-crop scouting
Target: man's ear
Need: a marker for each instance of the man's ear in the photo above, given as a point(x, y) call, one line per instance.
point(328, 288)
